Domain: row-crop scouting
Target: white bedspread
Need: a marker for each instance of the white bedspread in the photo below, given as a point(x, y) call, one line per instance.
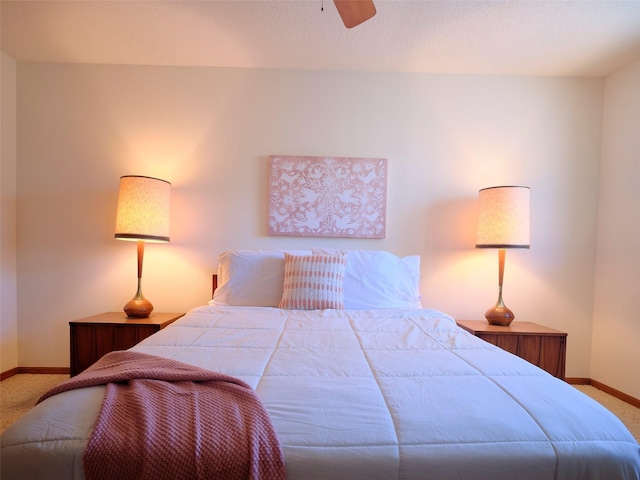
point(385, 394)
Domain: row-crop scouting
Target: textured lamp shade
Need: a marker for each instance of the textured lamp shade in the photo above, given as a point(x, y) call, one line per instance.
point(143, 209)
point(503, 222)
point(503, 217)
point(143, 216)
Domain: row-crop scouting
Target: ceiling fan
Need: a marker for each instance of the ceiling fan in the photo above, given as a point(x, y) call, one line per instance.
point(354, 12)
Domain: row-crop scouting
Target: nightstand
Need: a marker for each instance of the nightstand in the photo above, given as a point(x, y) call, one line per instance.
point(93, 337)
point(540, 345)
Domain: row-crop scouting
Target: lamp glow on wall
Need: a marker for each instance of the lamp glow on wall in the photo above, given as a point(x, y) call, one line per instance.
point(143, 216)
point(503, 222)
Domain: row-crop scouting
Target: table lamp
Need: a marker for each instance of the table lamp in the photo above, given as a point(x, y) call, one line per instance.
point(143, 216)
point(503, 222)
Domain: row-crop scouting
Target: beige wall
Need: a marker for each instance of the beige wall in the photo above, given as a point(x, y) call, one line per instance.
point(209, 131)
point(616, 321)
point(8, 277)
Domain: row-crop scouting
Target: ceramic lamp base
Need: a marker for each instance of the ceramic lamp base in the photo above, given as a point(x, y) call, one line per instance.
point(499, 315)
point(138, 307)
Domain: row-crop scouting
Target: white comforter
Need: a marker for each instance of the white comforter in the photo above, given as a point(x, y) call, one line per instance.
point(385, 394)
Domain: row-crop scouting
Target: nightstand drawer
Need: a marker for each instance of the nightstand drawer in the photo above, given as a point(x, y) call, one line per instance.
point(542, 346)
point(93, 337)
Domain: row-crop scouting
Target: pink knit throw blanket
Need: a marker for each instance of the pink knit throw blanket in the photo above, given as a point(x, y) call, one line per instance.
point(164, 419)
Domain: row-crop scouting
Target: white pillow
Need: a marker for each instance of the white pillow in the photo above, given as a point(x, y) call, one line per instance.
point(379, 279)
point(251, 277)
point(313, 282)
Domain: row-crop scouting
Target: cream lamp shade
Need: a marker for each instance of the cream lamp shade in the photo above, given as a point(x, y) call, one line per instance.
point(503, 222)
point(143, 209)
point(143, 216)
point(503, 217)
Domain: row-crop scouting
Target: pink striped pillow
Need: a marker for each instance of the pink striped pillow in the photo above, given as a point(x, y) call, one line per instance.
point(313, 282)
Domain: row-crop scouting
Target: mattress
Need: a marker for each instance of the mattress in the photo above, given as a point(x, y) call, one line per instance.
point(365, 394)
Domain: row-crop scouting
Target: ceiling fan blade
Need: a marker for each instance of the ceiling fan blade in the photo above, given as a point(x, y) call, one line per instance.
point(354, 12)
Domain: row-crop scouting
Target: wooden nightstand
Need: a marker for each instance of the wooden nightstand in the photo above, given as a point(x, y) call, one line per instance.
point(93, 337)
point(542, 346)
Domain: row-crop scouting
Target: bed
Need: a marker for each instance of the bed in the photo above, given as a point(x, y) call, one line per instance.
point(390, 391)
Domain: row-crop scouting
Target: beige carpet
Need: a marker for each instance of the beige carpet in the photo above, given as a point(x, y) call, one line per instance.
point(20, 392)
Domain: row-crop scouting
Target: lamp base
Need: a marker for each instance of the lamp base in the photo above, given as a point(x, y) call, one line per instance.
point(499, 315)
point(138, 307)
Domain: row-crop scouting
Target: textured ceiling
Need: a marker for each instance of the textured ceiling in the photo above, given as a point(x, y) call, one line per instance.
point(567, 38)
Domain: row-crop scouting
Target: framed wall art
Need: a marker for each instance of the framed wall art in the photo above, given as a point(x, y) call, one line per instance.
point(327, 196)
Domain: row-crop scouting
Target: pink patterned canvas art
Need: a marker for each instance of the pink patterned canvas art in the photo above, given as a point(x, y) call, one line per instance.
point(327, 196)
